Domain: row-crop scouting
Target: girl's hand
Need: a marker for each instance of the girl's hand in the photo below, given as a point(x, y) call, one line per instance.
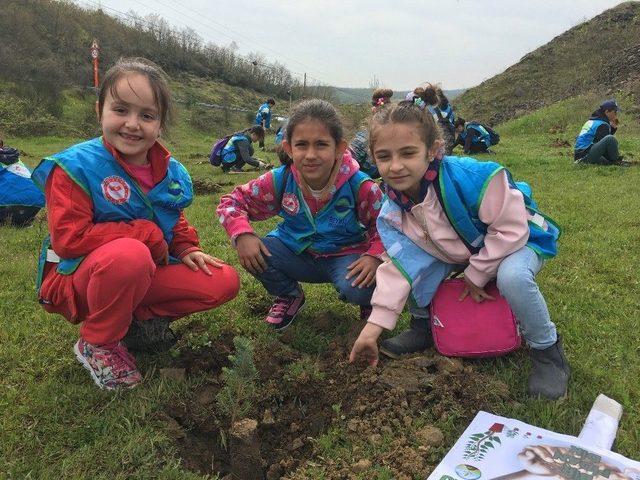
point(478, 294)
point(199, 260)
point(366, 346)
point(365, 269)
point(250, 253)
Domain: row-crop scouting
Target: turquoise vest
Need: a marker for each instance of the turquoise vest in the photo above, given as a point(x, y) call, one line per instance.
point(461, 184)
point(423, 271)
point(115, 196)
point(334, 227)
point(484, 137)
point(264, 109)
point(588, 133)
point(230, 150)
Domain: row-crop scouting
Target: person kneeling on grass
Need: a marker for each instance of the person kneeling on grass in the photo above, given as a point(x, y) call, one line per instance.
point(474, 137)
point(239, 150)
point(497, 233)
point(596, 142)
point(121, 258)
point(329, 210)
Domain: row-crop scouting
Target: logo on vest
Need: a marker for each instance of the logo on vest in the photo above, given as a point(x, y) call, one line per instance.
point(290, 203)
point(116, 190)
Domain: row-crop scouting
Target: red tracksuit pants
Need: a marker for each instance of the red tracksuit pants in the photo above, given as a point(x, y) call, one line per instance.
point(119, 281)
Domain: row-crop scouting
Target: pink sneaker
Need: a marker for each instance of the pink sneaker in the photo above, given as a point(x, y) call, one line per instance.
point(111, 366)
point(283, 311)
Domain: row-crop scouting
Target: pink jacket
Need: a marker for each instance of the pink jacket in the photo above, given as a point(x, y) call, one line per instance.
point(502, 209)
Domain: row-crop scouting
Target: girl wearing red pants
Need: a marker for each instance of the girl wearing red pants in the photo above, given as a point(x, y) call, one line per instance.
point(121, 258)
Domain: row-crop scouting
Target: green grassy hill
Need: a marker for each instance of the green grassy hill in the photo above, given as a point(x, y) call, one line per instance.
point(600, 56)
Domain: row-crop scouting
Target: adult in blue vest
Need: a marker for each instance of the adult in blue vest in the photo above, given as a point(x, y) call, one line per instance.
point(263, 117)
point(20, 199)
point(239, 150)
point(596, 142)
point(473, 136)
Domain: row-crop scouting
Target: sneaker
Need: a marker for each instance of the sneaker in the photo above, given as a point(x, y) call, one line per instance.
point(416, 339)
point(150, 336)
point(283, 311)
point(365, 312)
point(111, 366)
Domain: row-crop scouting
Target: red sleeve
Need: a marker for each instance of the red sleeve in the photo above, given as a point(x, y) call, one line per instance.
point(185, 238)
point(70, 218)
point(369, 204)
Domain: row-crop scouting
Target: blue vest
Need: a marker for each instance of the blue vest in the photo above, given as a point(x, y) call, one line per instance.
point(17, 188)
point(423, 271)
point(462, 182)
point(230, 150)
point(334, 227)
point(447, 114)
point(484, 137)
point(588, 133)
point(115, 196)
point(264, 112)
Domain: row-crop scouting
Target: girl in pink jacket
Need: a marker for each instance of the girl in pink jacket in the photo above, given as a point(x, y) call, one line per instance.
point(490, 227)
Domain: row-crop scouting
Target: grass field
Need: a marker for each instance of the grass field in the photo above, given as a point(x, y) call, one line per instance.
point(56, 424)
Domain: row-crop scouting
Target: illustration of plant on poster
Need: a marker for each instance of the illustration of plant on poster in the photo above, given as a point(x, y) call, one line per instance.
point(499, 448)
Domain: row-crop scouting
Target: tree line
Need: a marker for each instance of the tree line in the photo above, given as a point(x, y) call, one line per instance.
point(44, 49)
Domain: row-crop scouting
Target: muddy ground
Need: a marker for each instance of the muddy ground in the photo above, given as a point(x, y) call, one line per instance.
point(320, 413)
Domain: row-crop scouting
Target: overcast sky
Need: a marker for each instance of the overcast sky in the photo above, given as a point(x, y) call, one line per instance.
point(458, 43)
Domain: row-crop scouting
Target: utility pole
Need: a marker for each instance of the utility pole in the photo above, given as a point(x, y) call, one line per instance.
point(95, 50)
point(304, 84)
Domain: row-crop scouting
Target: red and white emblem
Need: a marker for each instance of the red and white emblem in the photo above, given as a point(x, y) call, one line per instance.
point(290, 203)
point(116, 190)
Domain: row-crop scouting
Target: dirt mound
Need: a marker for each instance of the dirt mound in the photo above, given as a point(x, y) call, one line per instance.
point(206, 187)
point(307, 406)
point(559, 143)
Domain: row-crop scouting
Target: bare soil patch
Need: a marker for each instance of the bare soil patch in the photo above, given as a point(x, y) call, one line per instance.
point(377, 415)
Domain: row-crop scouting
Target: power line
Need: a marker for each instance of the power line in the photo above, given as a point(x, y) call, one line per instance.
point(100, 5)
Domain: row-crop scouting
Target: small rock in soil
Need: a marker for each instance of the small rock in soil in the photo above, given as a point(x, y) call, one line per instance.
point(275, 472)
point(450, 365)
point(429, 436)
point(206, 396)
point(297, 443)
point(177, 374)
point(361, 466)
point(267, 418)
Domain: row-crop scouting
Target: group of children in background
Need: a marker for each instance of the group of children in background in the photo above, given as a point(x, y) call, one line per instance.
point(122, 260)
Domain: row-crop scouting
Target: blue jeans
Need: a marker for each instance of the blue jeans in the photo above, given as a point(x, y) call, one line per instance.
point(517, 284)
point(285, 269)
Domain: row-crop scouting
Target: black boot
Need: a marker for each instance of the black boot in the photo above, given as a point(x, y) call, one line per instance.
point(549, 372)
point(416, 339)
point(150, 336)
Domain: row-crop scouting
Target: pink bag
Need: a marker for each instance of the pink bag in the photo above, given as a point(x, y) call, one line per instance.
point(469, 329)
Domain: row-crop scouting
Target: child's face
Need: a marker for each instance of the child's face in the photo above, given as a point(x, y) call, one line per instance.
point(314, 152)
point(131, 122)
point(402, 157)
point(459, 129)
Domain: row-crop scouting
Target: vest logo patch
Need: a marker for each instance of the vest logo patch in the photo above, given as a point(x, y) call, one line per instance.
point(116, 190)
point(290, 203)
